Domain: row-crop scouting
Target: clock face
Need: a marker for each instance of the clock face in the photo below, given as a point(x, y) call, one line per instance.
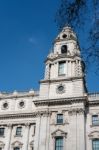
point(60, 89)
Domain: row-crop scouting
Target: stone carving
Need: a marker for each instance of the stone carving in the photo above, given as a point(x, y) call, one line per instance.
point(59, 133)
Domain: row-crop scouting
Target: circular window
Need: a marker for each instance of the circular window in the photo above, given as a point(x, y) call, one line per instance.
point(5, 105)
point(60, 89)
point(21, 104)
point(64, 49)
point(64, 36)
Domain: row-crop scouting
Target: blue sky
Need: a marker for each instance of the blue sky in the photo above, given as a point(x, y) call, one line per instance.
point(27, 30)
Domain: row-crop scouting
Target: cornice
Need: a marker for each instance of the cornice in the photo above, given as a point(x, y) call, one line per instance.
point(62, 79)
point(59, 56)
point(61, 101)
point(25, 115)
point(93, 103)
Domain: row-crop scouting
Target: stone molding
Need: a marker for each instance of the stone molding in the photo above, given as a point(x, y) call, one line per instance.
point(94, 135)
point(60, 101)
point(25, 115)
point(93, 103)
point(58, 133)
point(59, 56)
point(63, 79)
point(76, 111)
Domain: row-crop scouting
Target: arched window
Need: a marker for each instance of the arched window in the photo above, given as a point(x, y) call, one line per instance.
point(64, 49)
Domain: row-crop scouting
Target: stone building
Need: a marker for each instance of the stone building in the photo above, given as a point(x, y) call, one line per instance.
point(62, 115)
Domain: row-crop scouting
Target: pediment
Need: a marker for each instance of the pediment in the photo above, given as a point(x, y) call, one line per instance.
point(94, 134)
point(59, 132)
point(17, 143)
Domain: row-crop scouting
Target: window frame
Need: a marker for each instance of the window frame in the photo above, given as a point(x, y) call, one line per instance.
point(59, 119)
point(64, 49)
point(60, 146)
point(2, 132)
point(95, 148)
point(18, 132)
point(61, 68)
point(95, 121)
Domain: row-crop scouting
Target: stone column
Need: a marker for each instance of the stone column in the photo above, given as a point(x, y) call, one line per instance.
point(56, 69)
point(81, 138)
point(73, 68)
point(72, 142)
point(27, 128)
point(9, 133)
point(37, 132)
point(48, 147)
point(43, 131)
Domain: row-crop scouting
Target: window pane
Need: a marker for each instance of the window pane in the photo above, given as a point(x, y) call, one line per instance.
point(59, 143)
point(60, 118)
point(18, 130)
point(1, 131)
point(61, 68)
point(95, 120)
point(95, 144)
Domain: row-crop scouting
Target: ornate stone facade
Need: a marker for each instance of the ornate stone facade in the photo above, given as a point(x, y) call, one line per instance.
point(62, 115)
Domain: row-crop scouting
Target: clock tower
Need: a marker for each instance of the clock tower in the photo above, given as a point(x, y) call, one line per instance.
point(64, 68)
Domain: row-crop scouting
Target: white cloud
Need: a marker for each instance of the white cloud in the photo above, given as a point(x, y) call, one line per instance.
point(32, 40)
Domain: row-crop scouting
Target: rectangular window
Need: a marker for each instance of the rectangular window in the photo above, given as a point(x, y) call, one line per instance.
point(1, 131)
point(59, 143)
point(61, 69)
point(95, 144)
point(59, 118)
point(95, 120)
point(18, 131)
